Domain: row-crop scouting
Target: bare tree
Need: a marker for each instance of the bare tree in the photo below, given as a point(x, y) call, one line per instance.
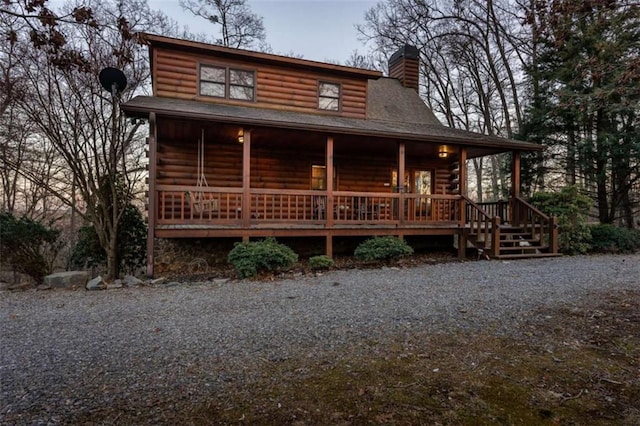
point(96, 167)
point(472, 61)
point(239, 27)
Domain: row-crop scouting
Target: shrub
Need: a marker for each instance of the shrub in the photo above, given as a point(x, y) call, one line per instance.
point(321, 262)
point(606, 238)
point(569, 206)
point(267, 255)
point(131, 244)
point(380, 248)
point(28, 246)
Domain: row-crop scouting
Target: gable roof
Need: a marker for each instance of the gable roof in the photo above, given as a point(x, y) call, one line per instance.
point(393, 111)
point(259, 57)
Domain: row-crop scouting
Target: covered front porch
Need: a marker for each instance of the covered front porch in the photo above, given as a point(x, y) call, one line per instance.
point(211, 180)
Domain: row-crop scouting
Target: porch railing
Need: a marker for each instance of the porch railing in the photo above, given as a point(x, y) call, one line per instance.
point(498, 208)
point(484, 226)
point(541, 227)
point(189, 205)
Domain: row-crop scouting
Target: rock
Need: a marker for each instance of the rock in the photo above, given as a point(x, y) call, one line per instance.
point(115, 284)
point(43, 287)
point(23, 285)
point(157, 281)
point(69, 279)
point(96, 284)
point(131, 281)
point(220, 281)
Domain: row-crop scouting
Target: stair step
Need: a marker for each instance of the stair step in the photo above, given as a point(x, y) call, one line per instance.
point(526, 255)
point(520, 248)
point(531, 241)
point(514, 234)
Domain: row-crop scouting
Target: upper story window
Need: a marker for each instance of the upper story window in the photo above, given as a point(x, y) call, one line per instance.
point(223, 82)
point(329, 96)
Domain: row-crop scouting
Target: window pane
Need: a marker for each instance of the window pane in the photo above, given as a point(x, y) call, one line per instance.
point(240, 92)
point(241, 78)
point(212, 89)
point(212, 74)
point(318, 177)
point(330, 90)
point(329, 104)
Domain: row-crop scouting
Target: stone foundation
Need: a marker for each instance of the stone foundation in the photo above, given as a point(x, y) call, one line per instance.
point(202, 255)
point(191, 255)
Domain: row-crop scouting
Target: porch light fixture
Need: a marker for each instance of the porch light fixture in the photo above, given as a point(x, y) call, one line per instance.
point(241, 135)
point(443, 151)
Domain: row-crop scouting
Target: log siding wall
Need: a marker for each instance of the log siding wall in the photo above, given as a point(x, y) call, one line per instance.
point(176, 76)
point(280, 169)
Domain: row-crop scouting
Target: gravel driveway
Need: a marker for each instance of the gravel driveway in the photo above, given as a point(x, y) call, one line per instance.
point(65, 353)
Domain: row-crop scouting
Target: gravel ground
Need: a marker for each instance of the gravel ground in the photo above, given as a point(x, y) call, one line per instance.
point(65, 354)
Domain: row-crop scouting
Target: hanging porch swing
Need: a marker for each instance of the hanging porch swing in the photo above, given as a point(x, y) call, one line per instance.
point(202, 201)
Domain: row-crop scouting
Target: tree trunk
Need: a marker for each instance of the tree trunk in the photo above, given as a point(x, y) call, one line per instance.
point(495, 171)
point(477, 166)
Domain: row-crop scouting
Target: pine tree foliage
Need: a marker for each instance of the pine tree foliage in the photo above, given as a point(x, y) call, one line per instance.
point(586, 98)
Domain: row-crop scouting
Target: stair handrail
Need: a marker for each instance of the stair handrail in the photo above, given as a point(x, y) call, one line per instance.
point(483, 224)
point(528, 217)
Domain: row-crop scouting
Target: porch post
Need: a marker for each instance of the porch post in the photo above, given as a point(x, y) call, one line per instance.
point(462, 185)
point(400, 183)
point(515, 174)
point(151, 208)
point(463, 171)
point(246, 180)
point(329, 203)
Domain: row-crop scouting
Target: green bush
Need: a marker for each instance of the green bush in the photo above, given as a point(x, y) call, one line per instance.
point(267, 255)
point(569, 206)
point(131, 244)
point(606, 238)
point(381, 248)
point(28, 246)
point(321, 262)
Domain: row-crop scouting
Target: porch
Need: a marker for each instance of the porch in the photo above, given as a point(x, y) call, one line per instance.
point(219, 180)
point(503, 229)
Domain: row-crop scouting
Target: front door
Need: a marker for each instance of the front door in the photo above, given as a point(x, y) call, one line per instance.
point(422, 185)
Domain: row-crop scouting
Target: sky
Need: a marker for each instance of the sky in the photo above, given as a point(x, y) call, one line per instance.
point(319, 30)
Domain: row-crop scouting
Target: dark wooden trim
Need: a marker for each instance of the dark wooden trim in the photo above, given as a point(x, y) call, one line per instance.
point(246, 179)
point(400, 183)
point(451, 229)
point(463, 171)
point(152, 212)
point(330, 189)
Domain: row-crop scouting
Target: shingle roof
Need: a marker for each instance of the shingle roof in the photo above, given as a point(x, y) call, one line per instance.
point(384, 120)
point(393, 111)
point(388, 100)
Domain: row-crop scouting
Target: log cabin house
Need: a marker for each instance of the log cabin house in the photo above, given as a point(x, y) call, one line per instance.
point(247, 145)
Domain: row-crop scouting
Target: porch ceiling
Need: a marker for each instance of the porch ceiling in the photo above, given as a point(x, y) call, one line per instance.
point(477, 144)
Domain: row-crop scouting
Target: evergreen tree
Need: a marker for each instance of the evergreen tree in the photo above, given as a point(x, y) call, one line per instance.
point(586, 97)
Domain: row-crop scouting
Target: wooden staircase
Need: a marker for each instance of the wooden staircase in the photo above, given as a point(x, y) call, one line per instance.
point(512, 231)
point(517, 243)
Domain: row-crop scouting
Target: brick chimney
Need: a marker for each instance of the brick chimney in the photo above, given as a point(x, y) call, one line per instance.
point(404, 65)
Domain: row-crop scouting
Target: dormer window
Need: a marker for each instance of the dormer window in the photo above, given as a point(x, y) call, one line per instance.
point(229, 83)
point(329, 96)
